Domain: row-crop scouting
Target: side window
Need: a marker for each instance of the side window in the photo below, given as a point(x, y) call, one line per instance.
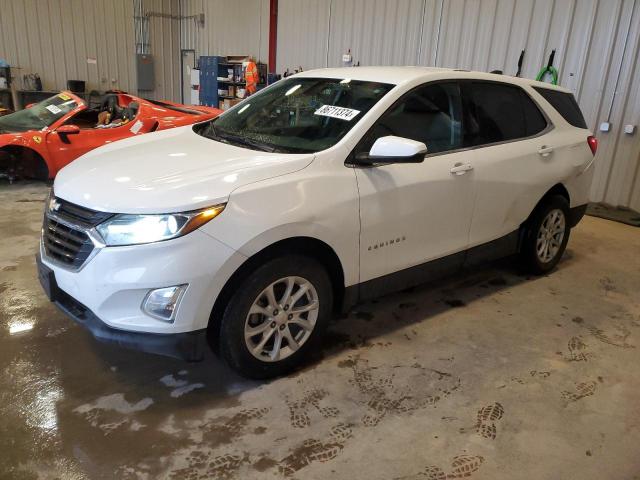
point(499, 113)
point(533, 118)
point(430, 114)
point(565, 104)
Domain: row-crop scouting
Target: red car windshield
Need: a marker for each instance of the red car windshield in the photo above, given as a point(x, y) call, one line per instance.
point(40, 115)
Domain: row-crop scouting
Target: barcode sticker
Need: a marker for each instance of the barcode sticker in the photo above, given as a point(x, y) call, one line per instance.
point(53, 109)
point(341, 113)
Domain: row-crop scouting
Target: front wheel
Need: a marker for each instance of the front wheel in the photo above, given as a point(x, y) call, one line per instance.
point(546, 236)
point(276, 317)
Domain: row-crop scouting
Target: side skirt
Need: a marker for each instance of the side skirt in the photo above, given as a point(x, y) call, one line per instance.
point(432, 270)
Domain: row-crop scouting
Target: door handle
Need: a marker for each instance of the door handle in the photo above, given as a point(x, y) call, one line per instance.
point(461, 168)
point(545, 150)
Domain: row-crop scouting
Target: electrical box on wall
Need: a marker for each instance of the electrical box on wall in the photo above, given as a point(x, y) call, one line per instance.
point(145, 72)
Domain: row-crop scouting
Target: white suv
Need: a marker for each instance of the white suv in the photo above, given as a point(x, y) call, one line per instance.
point(324, 189)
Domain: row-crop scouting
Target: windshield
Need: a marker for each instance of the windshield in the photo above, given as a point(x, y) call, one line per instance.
point(40, 115)
point(296, 115)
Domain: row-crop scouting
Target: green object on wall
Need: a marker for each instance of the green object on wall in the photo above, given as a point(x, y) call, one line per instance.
point(549, 69)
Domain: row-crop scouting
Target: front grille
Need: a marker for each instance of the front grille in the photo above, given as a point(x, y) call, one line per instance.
point(64, 233)
point(80, 215)
point(68, 246)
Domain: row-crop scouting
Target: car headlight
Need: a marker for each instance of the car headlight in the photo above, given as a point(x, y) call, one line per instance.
point(130, 229)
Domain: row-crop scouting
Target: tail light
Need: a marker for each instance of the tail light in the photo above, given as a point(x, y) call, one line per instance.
point(593, 144)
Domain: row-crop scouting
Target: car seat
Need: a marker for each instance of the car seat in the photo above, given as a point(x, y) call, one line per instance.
point(130, 112)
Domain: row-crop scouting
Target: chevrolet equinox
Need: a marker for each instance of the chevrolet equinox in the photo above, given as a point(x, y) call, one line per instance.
point(325, 189)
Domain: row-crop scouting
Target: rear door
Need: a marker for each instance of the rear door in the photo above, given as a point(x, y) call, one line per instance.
point(509, 134)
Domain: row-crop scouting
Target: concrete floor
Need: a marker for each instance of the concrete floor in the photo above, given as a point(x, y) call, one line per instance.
point(487, 375)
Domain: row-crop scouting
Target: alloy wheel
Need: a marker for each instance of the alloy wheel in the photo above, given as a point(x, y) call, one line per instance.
point(550, 235)
point(281, 319)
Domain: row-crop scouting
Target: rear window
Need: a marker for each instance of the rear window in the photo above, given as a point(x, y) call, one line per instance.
point(565, 104)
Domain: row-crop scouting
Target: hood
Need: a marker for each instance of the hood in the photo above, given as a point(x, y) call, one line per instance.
point(175, 170)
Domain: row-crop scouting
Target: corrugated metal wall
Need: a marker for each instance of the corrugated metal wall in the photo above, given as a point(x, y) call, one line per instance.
point(596, 43)
point(303, 34)
point(163, 42)
point(55, 38)
point(232, 27)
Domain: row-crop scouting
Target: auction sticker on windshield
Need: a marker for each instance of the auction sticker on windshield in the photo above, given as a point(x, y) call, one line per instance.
point(53, 109)
point(341, 113)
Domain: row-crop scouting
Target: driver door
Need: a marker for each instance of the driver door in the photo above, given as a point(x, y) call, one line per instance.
point(413, 213)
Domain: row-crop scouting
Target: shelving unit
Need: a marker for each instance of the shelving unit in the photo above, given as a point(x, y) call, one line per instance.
point(214, 76)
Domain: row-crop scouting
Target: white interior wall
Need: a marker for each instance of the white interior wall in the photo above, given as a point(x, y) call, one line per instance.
point(55, 38)
point(232, 27)
point(164, 45)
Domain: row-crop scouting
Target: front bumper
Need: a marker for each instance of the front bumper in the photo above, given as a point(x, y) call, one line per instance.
point(188, 346)
point(115, 281)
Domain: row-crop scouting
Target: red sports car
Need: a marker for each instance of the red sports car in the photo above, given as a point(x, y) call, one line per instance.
point(38, 141)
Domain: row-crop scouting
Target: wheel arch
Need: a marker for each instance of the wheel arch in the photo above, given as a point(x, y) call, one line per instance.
point(557, 190)
point(308, 246)
point(35, 162)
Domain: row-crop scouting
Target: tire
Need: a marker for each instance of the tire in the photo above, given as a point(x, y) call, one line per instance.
point(549, 217)
point(283, 324)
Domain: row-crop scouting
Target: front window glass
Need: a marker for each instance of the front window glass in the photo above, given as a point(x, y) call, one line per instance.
point(297, 115)
point(40, 115)
point(430, 114)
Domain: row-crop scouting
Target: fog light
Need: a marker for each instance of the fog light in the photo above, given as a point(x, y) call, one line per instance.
point(162, 303)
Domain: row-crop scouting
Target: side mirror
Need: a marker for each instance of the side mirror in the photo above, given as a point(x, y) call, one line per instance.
point(65, 130)
point(391, 149)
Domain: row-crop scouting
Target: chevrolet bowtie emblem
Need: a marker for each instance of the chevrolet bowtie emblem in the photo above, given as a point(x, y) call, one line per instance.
point(54, 205)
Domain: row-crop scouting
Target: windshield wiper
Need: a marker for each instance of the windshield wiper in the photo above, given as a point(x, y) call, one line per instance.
point(247, 142)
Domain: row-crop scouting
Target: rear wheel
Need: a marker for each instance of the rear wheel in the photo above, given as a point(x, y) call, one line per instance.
point(276, 317)
point(546, 235)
